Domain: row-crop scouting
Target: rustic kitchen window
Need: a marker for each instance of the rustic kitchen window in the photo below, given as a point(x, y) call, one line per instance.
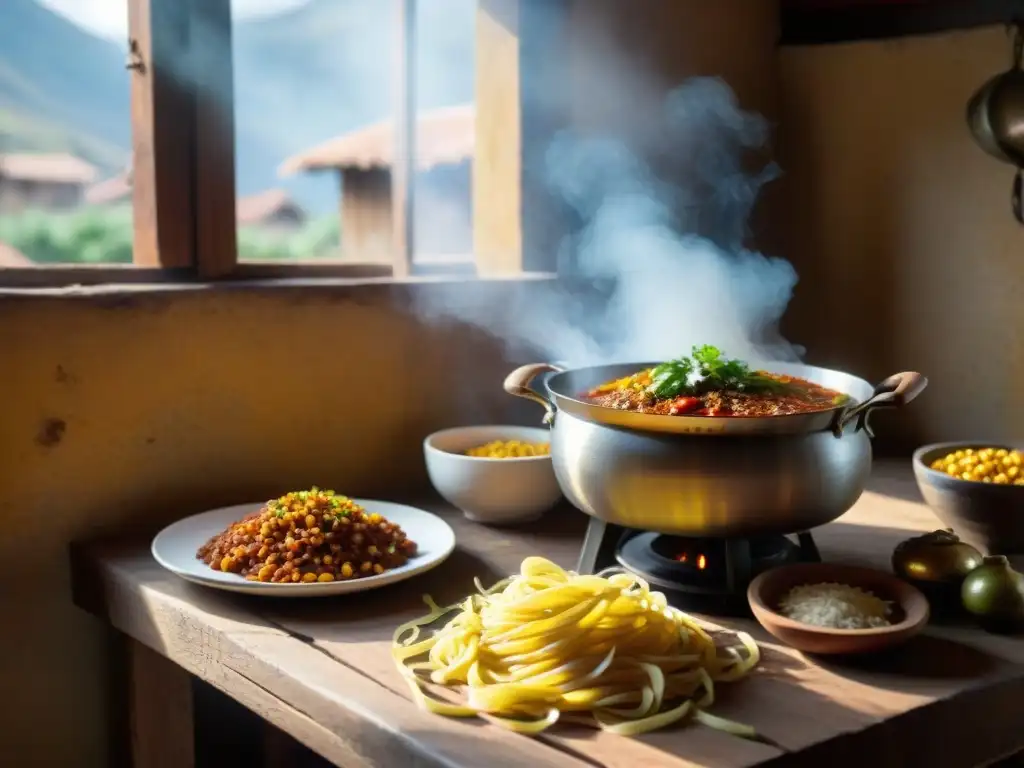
point(238, 172)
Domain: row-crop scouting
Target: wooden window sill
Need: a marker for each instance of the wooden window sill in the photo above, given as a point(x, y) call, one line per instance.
point(109, 284)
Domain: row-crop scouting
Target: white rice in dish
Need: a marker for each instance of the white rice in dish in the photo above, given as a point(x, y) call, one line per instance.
point(837, 606)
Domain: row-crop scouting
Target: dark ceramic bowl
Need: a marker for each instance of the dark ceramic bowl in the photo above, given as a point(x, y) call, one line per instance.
point(986, 515)
point(909, 608)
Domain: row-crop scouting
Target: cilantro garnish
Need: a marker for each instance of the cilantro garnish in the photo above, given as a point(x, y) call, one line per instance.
point(708, 370)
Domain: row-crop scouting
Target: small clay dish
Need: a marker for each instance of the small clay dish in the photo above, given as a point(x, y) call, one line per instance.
point(908, 617)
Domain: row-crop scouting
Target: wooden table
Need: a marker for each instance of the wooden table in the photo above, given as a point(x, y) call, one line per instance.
point(321, 670)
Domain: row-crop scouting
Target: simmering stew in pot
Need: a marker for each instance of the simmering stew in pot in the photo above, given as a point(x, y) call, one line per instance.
point(708, 384)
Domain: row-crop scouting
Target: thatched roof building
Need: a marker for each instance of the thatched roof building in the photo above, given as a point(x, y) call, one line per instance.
point(54, 181)
point(445, 142)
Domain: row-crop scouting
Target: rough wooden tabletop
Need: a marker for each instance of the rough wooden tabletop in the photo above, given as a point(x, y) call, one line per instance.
point(322, 671)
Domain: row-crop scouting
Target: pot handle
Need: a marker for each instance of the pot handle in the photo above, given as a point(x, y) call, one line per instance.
point(518, 383)
point(894, 392)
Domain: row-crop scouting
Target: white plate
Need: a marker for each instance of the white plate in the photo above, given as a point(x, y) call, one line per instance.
point(175, 549)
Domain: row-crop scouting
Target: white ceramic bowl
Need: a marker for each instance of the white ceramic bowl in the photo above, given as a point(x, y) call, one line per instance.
point(493, 491)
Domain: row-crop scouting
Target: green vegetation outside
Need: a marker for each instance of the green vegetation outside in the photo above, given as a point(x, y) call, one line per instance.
point(104, 236)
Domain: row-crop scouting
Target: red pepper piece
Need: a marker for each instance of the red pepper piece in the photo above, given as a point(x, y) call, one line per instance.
point(683, 405)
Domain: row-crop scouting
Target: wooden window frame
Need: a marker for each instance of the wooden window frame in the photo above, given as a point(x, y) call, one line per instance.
point(183, 144)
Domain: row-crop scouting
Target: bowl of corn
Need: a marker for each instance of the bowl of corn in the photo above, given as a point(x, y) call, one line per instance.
point(977, 489)
point(499, 475)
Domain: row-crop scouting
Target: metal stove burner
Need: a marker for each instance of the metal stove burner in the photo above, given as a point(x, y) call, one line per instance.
point(708, 575)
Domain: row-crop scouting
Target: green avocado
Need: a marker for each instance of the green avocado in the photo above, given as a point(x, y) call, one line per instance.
point(994, 593)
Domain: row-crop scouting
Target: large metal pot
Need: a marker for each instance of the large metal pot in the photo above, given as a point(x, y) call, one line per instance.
point(701, 476)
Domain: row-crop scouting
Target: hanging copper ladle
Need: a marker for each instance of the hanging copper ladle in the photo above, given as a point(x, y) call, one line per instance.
point(995, 114)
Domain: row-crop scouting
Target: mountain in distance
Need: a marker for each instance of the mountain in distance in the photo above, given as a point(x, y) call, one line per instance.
point(301, 77)
point(61, 88)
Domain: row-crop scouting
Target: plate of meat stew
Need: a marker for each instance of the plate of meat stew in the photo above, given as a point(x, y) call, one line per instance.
point(304, 544)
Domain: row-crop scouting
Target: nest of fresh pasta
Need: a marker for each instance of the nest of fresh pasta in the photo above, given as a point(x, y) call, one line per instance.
point(550, 645)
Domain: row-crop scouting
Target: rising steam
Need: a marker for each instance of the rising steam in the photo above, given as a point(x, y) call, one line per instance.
point(661, 262)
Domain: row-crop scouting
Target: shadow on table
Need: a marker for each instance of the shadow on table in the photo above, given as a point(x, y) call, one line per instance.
point(924, 658)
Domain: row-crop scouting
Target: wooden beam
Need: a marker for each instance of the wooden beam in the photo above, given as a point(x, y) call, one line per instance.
point(162, 133)
point(403, 168)
point(521, 102)
point(367, 218)
point(160, 700)
point(808, 23)
point(216, 228)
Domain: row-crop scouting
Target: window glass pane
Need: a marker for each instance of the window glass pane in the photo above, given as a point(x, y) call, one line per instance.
point(313, 107)
point(65, 133)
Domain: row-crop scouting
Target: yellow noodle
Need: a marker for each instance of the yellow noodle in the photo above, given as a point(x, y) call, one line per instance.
point(548, 641)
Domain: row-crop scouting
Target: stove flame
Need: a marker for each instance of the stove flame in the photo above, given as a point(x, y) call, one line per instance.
point(701, 562)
